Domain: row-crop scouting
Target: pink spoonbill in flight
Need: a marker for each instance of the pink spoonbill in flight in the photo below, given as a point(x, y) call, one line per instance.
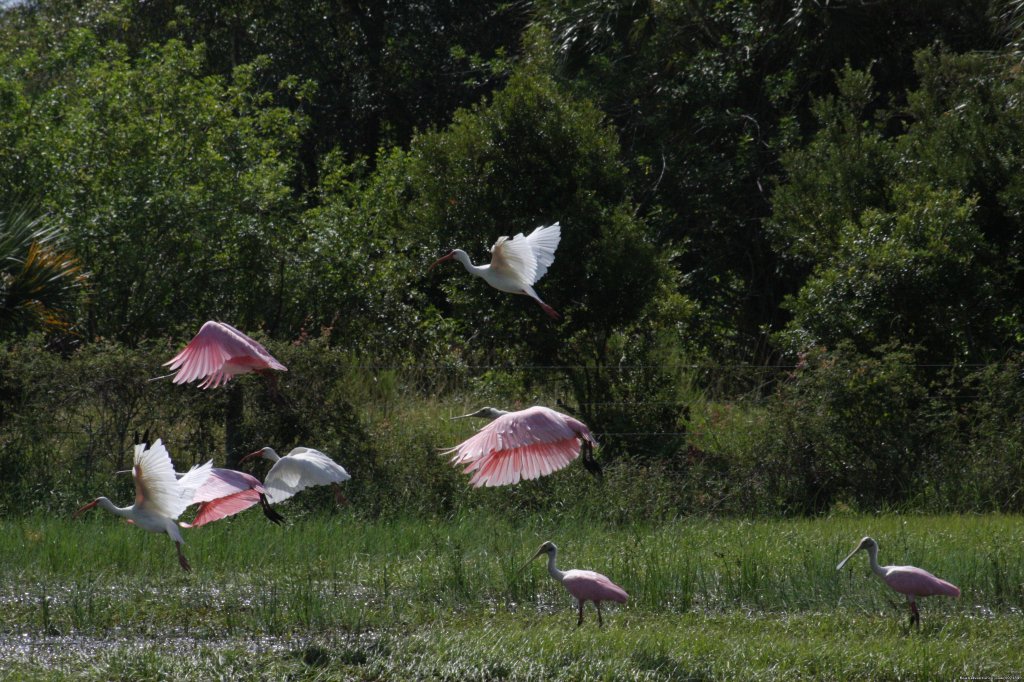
point(523, 445)
point(300, 469)
point(228, 492)
point(912, 581)
point(219, 352)
point(516, 262)
point(583, 585)
point(160, 495)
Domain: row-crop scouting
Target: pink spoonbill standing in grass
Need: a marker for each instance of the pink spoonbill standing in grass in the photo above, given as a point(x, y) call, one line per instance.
point(516, 263)
point(523, 445)
point(160, 495)
point(912, 581)
point(300, 469)
point(228, 492)
point(219, 352)
point(583, 585)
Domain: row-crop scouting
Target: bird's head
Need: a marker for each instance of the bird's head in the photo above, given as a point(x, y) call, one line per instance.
point(547, 548)
point(483, 412)
point(866, 544)
point(86, 507)
point(265, 453)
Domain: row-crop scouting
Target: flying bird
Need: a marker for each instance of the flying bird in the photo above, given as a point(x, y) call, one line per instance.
point(523, 445)
point(300, 469)
point(912, 581)
point(160, 495)
point(583, 585)
point(516, 262)
point(228, 492)
point(219, 352)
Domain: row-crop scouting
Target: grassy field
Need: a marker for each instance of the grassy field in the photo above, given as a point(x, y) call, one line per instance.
point(333, 597)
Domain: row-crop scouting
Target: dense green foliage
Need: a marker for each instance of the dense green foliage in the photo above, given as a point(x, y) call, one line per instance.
point(790, 269)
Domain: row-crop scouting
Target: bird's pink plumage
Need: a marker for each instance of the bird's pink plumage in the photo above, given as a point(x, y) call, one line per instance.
point(218, 352)
point(593, 586)
point(918, 582)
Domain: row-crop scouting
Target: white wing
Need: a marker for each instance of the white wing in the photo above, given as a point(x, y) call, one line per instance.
point(157, 490)
point(544, 241)
point(302, 468)
point(526, 258)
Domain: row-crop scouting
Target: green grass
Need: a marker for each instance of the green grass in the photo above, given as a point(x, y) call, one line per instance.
point(334, 597)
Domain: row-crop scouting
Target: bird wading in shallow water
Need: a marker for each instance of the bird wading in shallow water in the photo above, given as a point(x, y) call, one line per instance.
point(516, 263)
point(300, 469)
point(911, 581)
point(219, 352)
point(523, 445)
point(583, 585)
point(160, 495)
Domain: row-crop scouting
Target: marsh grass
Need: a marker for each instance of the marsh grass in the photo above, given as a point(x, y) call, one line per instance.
point(722, 599)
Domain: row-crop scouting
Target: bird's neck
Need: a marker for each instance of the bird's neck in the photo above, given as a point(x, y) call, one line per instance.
point(113, 508)
point(463, 257)
point(873, 559)
point(553, 569)
point(271, 455)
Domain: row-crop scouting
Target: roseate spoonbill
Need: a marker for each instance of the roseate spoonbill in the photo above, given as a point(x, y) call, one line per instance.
point(300, 469)
point(909, 580)
point(526, 444)
point(583, 585)
point(219, 352)
point(516, 262)
point(160, 496)
point(227, 492)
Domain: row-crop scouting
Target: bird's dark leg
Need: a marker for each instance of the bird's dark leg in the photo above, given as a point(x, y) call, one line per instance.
point(580, 621)
point(181, 558)
point(589, 462)
point(600, 623)
point(274, 389)
point(915, 615)
point(268, 512)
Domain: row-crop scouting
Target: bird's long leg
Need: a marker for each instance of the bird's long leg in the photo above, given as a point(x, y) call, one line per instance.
point(589, 462)
point(600, 623)
point(915, 615)
point(580, 621)
point(268, 512)
point(181, 558)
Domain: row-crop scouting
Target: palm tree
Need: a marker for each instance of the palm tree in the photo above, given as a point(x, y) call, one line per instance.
point(38, 278)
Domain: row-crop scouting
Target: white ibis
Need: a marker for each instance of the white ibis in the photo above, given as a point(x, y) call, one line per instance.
point(160, 496)
point(516, 262)
point(299, 469)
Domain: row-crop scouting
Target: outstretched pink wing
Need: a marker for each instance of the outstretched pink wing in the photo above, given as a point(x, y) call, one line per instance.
point(217, 353)
point(521, 445)
point(224, 493)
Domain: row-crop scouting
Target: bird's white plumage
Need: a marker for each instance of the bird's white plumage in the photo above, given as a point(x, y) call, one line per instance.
point(300, 469)
point(157, 490)
point(526, 258)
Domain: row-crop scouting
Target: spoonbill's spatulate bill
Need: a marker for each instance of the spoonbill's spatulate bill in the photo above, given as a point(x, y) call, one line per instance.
point(583, 585)
point(912, 581)
point(299, 469)
point(228, 492)
point(522, 445)
point(219, 352)
point(516, 263)
point(160, 495)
